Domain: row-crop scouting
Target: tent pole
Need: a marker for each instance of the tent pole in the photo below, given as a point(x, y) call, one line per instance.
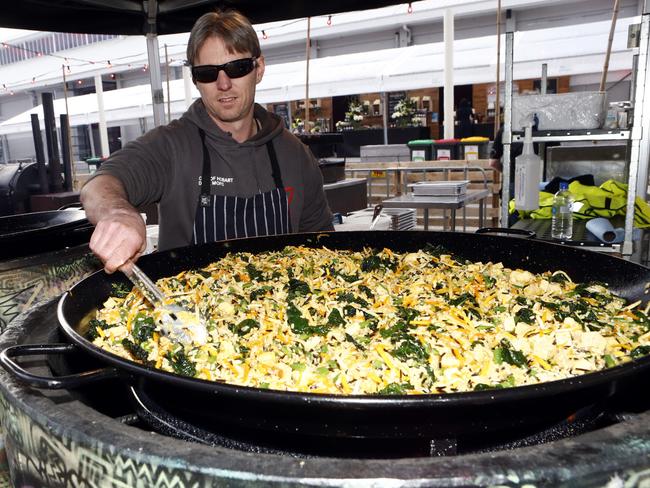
point(449, 73)
point(169, 101)
point(308, 49)
point(497, 109)
point(103, 131)
point(612, 28)
point(157, 97)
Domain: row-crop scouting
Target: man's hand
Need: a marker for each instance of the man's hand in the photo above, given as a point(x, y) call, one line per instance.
point(120, 234)
point(119, 237)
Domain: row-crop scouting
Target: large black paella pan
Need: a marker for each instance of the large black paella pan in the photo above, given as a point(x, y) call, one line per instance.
point(429, 416)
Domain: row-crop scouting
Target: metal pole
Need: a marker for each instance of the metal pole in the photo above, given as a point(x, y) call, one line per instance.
point(384, 102)
point(449, 73)
point(544, 79)
point(169, 106)
point(40, 155)
point(308, 49)
point(103, 130)
point(497, 109)
point(69, 131)
point(157, 97)
point(507, 130)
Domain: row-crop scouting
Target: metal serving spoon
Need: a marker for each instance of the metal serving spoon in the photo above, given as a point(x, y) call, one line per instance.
point(375, 215)
point(171, 324)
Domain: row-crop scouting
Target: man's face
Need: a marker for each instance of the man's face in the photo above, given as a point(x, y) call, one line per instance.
point(227, 100)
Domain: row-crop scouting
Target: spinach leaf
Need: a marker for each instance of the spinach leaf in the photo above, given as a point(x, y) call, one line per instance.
point(254, 273)
point(143, 328)
point(375, 263)
point(334, 318)
point(351, 298)
point(244, 327)
point(95, 324)
point(300, 325)
point(297, 288)
point(639, 351)
point(396, 389)
point(356, 344)
point(260, 292)
point(410, 348)
point(136, 351)
point(525, 315)
point(120, 290)
point(181, 364)
point(507, 354)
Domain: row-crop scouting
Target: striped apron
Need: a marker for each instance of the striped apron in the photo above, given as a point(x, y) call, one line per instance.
point(219, 217)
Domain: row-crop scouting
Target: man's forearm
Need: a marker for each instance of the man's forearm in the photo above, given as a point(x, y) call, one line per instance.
point(104, 195)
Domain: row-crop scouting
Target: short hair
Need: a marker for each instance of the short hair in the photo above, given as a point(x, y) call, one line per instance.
point(234, 29)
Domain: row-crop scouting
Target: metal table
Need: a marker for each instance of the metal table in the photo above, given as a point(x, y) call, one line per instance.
point(451, 203)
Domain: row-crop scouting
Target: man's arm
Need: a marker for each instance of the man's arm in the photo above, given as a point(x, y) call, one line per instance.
point(120, 233)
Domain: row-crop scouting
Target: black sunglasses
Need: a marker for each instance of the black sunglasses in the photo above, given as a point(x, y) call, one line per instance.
point(208, 73)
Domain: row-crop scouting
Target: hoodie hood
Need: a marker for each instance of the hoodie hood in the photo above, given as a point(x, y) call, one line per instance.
point(270, 126)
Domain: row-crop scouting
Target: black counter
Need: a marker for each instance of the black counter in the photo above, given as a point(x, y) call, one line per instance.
point(354, 139)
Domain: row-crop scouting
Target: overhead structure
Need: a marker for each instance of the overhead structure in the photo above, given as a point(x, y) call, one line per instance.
point(140, 17)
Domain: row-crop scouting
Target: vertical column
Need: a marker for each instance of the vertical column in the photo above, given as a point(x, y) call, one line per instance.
point(449, 74)
point(103, 130)
point(187, 84)
point(506, 137)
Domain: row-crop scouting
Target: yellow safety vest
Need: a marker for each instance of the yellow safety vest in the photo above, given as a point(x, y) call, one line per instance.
point(606, 200)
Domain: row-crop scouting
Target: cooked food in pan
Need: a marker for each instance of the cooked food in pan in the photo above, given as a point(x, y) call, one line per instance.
point(374, 322)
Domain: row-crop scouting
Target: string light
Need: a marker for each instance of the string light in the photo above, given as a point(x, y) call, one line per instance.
point(144, 68)
point(79, 82)
point(108, 63)
point(264, 36)
point(34, 79)
point(68, 70)
point(329, 20)
point(410, 9)
point(113, 75)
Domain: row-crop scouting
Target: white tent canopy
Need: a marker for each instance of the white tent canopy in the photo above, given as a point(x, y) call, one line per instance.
point(570, 50)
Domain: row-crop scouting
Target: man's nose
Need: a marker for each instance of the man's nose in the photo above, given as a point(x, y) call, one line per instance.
point(223, 81)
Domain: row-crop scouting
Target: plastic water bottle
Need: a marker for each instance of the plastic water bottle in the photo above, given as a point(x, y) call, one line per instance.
point(562, 217)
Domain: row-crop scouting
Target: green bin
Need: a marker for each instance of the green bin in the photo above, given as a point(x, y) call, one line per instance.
point(421, 149)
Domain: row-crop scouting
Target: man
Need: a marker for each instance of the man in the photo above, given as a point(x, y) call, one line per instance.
point(226, 169)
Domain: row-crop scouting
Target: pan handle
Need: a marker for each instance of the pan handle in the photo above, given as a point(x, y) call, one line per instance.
point(50, 383)
point(507, 230)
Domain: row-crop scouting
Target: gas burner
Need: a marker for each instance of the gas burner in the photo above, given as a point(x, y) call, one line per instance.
point(159, 415)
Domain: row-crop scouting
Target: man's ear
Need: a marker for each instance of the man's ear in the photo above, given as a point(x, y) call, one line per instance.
point(259, 69)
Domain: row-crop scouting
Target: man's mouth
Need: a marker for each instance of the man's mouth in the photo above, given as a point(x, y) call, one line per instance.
point(227, 99)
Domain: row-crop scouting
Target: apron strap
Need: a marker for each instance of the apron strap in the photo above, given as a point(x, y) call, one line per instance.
point(205, 176)
point(275, 167)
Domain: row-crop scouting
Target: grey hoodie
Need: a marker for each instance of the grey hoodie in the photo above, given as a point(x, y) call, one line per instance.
point(165, 164)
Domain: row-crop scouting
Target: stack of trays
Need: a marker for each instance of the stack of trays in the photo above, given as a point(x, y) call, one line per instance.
point(400, 218)
point(440, 188)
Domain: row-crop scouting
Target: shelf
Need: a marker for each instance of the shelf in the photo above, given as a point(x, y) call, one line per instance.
point(575, 135)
